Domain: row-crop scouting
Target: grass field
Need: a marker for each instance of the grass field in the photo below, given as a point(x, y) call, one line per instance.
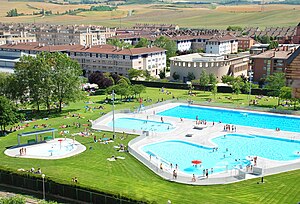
point(193, 16)
point(132, 179)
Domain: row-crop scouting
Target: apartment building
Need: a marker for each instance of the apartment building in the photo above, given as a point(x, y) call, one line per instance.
point(293, 72)
point(112, 59)
point(245, 43)
point(222, 45)
point(219, 65)
point(103, 58)
point(63, 34)
point(7, 37)
point(270, 61)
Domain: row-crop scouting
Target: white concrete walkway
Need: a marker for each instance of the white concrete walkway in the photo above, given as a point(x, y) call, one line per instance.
point(201, 137)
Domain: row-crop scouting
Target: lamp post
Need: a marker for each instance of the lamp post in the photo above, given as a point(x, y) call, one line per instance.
point(113, 109)
point(44, 196)
point(250, 81)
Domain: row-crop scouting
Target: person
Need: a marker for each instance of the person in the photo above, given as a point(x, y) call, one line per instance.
point(174, 174)
point(39, 171)
point(211, 170)
point(193, 178)
point(161, 119)
point(161, 166)
point(203, 172)
point(176, 166)
point(150, 157)
point(171, 165)
point(206, 173)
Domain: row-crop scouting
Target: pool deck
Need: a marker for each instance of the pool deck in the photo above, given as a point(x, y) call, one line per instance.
point(15, 151)
point(202, 137)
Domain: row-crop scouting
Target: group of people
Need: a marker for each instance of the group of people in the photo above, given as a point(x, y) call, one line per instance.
point(22, 151)
point(75, 180)
point(32, 170)
point(229, 128)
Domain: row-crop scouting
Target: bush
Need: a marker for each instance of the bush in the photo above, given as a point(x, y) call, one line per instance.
point(13, 200)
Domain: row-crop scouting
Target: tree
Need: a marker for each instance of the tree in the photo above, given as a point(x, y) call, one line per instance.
point(226, 79)
point(12, 13)
point(29, 72)
point(66, 79)
point(102, 80)
point(162, 74)
point(274, 83)
point(167, 44)
point(204, 79)
point(175, 76)
point(236, 87)
point(285, 93)
point(3, 83)
point(234, 28)
point(190, 76)
point(138, 89)
point(135, 73)
point(143, 42)
point(119, 43)
point(212, 78)
point(8, 113)
point(214, 89)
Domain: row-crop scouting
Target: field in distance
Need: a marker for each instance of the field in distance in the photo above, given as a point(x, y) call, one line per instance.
point(185, 15)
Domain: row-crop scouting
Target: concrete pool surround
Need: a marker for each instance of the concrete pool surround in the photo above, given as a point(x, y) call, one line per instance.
point(202, 137)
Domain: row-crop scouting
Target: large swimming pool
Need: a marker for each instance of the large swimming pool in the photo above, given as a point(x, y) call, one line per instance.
point(269, 121)
point(144, 125)
point(233, 151)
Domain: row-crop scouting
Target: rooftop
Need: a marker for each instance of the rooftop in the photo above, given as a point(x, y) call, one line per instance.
point(104, 49)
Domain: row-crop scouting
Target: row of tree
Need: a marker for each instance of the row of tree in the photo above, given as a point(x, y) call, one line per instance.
point(48, 79)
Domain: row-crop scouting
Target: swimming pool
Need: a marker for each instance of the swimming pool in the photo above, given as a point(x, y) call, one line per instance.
point(260, 120)
point(139, 124)
point(233, 151)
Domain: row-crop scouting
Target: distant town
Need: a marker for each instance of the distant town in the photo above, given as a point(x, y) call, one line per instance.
point(235, 51)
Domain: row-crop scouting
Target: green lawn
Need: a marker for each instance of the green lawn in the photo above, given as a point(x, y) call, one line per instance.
point(132, 179)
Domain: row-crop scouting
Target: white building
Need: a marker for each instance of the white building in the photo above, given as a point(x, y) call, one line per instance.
point(219, 65)
point(103, 58)
point(222, 45)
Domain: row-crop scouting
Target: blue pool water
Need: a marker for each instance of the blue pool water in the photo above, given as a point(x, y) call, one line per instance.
point(235, 117)
point(139, 124)
point(238, 148)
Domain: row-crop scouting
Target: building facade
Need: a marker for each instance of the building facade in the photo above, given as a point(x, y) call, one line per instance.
point(245, 43)
point(222, 45)
point(219, 65)
point(103, 58)
point(6, 37)
point(293, 73)
point(270, 62)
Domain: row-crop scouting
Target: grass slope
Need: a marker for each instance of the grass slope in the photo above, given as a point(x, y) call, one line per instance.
point(132, 179)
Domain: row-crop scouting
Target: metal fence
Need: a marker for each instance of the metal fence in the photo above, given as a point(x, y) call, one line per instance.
point(73, 194)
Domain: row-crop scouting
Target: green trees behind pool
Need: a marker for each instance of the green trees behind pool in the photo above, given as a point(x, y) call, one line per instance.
point(167, 44)
point(49, 79)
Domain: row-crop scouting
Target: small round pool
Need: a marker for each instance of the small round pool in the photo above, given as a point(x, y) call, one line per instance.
point(53, 149)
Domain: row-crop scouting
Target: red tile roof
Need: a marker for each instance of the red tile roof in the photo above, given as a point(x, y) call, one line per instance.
point(103, 49)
